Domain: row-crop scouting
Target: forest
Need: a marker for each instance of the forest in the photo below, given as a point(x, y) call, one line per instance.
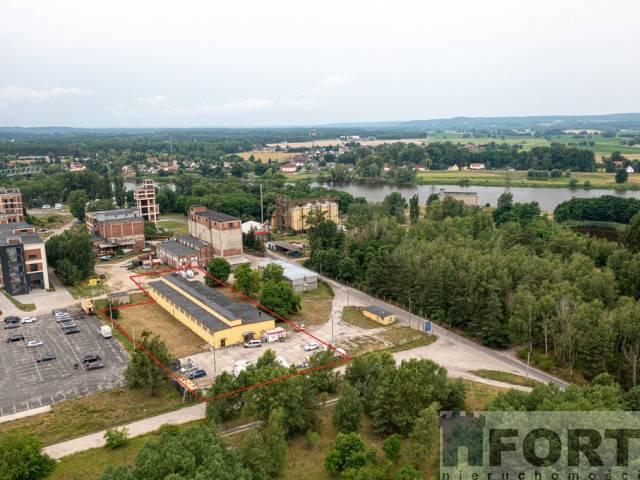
point(511, 277)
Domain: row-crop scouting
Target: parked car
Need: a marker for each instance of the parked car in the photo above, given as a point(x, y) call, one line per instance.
point(90, 358)
point(146, 249)
point(46, 207)
point(105, 258)
point(189, 368)
point(11, 318)
point(15, 338)
point(102, 276)
point(71, 331)
point(197, 374)
point(131, 267)
point(58, 310)
point(124, 264)
point(10, 325)
point(252, 344)
point(34, 343)
point(94, 366)
point(175, 365)
point(63, 319)
point(45, 358)
point(28, 319)
point(311, 346)
point(67, 326)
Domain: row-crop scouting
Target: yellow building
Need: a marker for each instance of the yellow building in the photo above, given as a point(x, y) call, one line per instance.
point(290, 214)
point(216, 319)
point(379, 315)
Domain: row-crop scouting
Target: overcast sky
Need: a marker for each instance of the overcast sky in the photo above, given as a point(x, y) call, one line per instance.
point(139, 63)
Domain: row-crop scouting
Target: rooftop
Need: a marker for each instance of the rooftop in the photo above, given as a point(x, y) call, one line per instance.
point(194, 241)
point(224, 306)
point(291, 271)
point(176, 248)
point(216, 216)
point(115, 215)
point(381, 312)
point(7, 231)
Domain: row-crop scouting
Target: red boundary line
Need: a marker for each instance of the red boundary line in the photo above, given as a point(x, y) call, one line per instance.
point(346, 358)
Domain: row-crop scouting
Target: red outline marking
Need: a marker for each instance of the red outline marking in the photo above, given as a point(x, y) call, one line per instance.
point(302, 372)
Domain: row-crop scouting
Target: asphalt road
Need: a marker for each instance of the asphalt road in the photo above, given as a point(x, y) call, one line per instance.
point(26, 384)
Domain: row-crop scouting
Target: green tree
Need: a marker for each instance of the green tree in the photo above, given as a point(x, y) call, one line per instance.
point(414, 209)
point(631, 237)
point(218, 268)
point(348, 452)
point(75, 246)
point(222, 409)
point(394, 205)
point(272, 272)
point(247, 280)
point(21, 457)
point(115, 437)
point(425, 433)
point(67, 272)
point(253, 452)
point(392, 446)
point(622, 175)
point(408, 472)
point(279, 298)
point(348, 413)
point(120, 192)
point(101, 205)
point(143, 371)
point(275, 442)
point(150, 229)
point(77, 201)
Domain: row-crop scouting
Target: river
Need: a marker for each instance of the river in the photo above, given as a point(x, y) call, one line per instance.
point(547, 198)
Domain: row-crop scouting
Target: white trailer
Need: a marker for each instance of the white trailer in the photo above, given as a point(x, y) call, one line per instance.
point(105, 331)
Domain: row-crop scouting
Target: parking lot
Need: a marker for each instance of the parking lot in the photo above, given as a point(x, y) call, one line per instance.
point(26, 384)
point(292, 350)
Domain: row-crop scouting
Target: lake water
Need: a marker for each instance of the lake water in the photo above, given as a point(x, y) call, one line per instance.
point(547, 198)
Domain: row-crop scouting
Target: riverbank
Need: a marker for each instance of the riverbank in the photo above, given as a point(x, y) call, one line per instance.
point(502, 178)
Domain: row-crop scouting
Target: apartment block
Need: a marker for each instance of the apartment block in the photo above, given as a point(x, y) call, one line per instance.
point(23, 262)
point(146, 198)
point(10, 206)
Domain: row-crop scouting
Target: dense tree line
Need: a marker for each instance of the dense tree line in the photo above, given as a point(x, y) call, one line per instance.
point(607, 208)
point(516, 278)
point(71, 254)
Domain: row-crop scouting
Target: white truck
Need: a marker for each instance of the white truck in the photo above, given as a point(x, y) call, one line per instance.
point(105, 331)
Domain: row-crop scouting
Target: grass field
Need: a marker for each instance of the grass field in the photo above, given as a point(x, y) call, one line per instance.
point(180, 340)
point(264, 157)
point(505, 377)
point(176, 228)
point(81, 416)
point(498, 178)
point(314, 312)
point(354, 317)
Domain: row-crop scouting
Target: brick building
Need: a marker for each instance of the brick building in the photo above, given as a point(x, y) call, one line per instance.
point(10, 206)
point(23, 262)
point(114, 229)
point(290, 214)
point(223, 232)
point(146, 198)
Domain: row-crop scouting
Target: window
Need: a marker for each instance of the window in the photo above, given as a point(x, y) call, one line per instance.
point(32, 256)
point(33, 267)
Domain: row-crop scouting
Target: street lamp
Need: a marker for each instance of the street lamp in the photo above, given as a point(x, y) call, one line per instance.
point(331, 318)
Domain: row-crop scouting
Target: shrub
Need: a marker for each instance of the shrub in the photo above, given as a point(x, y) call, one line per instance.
point(547, 363)
point(169, 430)
point(573, 182)
point(116, 438)
point(523, 353)
point(310, 439)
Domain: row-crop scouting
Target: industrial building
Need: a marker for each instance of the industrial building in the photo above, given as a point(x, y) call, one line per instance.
point(10, 206)
point(185, 251)
point(378, 314)
point(23, 261)
point(218, 320)
point(114, 229)
point(221, 231)
point(300, 279)
point(146, 198)
point(469, 198)
point(290, 214)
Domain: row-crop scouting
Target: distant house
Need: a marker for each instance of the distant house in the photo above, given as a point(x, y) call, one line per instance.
point(453, 168)
point(350, 166)
point(386, 167)
point(76, 167)
point(630, 169)
point(618, 163)
point(152, 159)
point(476, 166)
point(289, 168)
point(420, 167)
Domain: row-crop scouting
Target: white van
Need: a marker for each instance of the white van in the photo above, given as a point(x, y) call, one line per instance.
point(252, 344)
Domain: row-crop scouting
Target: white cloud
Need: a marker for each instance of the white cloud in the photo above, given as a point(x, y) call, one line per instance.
point(332, 80)
point(156, 101)
point(19, 93)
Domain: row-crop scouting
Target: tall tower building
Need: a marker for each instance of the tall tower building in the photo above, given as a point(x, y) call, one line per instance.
point(146, 198)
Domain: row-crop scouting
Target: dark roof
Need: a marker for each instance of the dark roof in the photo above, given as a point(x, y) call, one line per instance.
point(6, 232)
point(381, 312)
point(175, 248)
point(195, 241)
point(118, 294)
point(216, 216)
point(216, 301)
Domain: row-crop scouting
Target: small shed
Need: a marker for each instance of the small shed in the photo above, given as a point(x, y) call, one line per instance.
point(379, 314)
point(274, 334)
point(118, 298)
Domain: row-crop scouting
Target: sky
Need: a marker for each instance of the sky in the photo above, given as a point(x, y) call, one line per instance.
point(140, 63)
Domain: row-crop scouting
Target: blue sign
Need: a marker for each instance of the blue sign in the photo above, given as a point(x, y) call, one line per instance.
point(427, 326)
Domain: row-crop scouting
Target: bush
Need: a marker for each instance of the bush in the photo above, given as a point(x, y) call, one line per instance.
point(573, 182)
point(547, 363)
point(523, 353)
point(310, 439)
point(587, 183)
point(116, 438)
point(169, 430)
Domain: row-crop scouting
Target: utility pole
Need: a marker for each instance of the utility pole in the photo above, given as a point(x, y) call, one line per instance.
point(409, 313)
point(331, 315)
